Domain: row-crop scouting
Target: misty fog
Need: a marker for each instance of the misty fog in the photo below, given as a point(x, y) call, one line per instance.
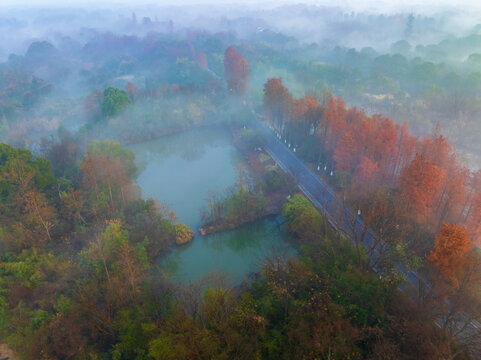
point(240, 180)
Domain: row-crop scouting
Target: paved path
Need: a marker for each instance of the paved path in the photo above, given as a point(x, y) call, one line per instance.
point(321, 195)
point(337, 213)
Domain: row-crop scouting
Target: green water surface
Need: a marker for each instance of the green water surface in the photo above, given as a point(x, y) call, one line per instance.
point(179, 171)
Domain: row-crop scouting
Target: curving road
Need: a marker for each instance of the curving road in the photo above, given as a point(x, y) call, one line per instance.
point(322, 197)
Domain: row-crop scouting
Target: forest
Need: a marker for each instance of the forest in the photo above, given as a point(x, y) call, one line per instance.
point(241, 181)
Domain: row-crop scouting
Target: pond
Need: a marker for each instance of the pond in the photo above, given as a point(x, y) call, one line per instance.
point(180, 170)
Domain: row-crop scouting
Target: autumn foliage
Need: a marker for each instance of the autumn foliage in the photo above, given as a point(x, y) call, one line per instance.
point(277, 102)
point(237, 71)
point(408, 188)
point(431, 185)
point(131, 90)
point(450, 253)
point(420, 184)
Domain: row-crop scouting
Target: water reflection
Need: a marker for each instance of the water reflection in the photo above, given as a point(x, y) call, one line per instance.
point(179, 171)
point(188, 146)
point(237, 253)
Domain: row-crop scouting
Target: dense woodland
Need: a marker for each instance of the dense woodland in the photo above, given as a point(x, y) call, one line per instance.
point(78, 244)
point(420, 77)
point(77, 280)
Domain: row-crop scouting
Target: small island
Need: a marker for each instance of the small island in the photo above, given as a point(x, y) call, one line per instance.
point(183, 234)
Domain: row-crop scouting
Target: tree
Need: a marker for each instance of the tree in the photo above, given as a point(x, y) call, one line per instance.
point(280, 281)
point(22, 162)
point(39, 212)
point(105, 181)
point(449, 254)
point(420, 184)
point(63, 155)
point(406, 146)
point(302, 218)
point(115, 261)
point(381, 214)
point(113, 150)
point(332, 123)
point(451, 197)
point(106, 177)
point(114, 101)
point(131, 90)
point(274, 179)
point(25, 210)
point(147, 219)
point(72, 205)
point(237, 71)
point(345, 154)
point(366, 175)
point(183, 234)
point(437, 149)
point(453, 298)
point(277, 102)
point(305, 114)
point(382, 145)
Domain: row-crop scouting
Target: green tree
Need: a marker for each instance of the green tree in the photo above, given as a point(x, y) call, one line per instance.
point(302, 218)
point(274, 179)
point(22, 162)
point(111, 255)
point(114, 101)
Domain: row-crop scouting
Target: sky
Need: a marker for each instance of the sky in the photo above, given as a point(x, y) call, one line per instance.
point(464, 8)
point(383, 4)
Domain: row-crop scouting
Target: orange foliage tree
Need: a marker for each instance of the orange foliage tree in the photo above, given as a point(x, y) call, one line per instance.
point(237, 71)
point(420, 183)
point(26, 207)
point(380, 213)
point(277, 102)
point(429, 183)
point(332, 122)
point(451, 197)
point(106, 177)
point(365, 175)
point(306, 112)
point(406, 148)
point(345, 153)
point(449, 254)
point(131, 89)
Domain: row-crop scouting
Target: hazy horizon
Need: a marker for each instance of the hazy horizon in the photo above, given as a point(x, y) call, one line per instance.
point(369, 5)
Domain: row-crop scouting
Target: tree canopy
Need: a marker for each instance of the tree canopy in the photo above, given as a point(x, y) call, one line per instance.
point(114, 101)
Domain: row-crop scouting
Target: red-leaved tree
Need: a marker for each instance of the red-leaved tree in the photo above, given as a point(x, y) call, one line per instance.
point(237, 71)
point(449, 254)
point(420, 184)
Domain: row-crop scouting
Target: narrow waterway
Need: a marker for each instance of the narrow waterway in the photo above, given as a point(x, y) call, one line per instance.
point(180, 171)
